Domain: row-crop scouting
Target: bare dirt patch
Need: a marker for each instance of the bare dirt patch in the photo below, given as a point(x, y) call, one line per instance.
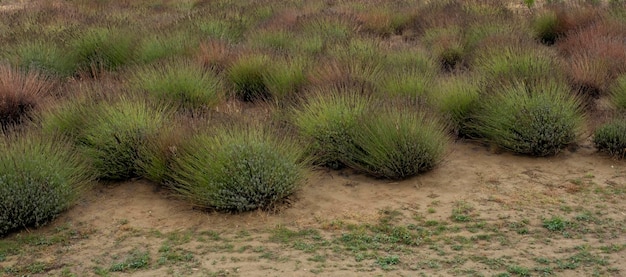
point(480, 213)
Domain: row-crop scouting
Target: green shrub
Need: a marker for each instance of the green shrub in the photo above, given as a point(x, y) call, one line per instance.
point(67, 118)
point(537, 120)
point(410, 84)
point(237, 170)
point(326, 121)
point(447, 46)
point(611, 138)
point(505, 66)
point(163, 45)
point(43, 56)
point(414, 60)
point(618, 93)
point(115, 133)
point(102, 49)
point(457, 98)
point(396, 144)
point(276, 40)
point(39, 178)
point(247, 75)
point(284, 78)
point(546, 27)
point(182, 83)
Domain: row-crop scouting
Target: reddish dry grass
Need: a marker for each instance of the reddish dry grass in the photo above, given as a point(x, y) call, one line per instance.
point(20, 93)
point(594, 56)
point(215, 55)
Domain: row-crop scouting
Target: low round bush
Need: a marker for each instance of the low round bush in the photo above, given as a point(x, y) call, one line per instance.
point(397, 143)
point(115, 133)
point(239, 169)
point(326, 121)
point(537, 120)
point(183, 83)
point(39, 178)
point(545, 27)
point(611, 138)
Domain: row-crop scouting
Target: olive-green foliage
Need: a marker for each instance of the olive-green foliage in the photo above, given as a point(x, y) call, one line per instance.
point(284, 78)
point(102, 49)
point(163, 45)
point(326, 121)
point(39, 178)
point(537, 119)
point(67, 118)
point(546, 27)
point(182, 83)
point(43, 56)
point(456, 98)
point(618, 93)
point(411, 84)
point(611, 138)
point(238, 169)
point(396, 143)
point(115, 133)
point(247, 76)
point(505, 66)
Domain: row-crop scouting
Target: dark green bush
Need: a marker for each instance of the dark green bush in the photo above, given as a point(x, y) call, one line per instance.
point(326, 121)
point(537, 120)
point(396, 143)
point(115, 133)
point(182, 83)
point(237, 170)
point(611, 138)
point(39, 178)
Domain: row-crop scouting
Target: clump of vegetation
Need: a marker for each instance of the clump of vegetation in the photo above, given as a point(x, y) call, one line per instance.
point(100, 49)
point(43, 56)
point(546, 27)
point(238, 169)
point(537, 119)
point(20, 92)
point(327, 121)
point(182, 83)
point(285, 78)
point(456, 98)
point(396, 143)
point(115, 133)
point(505, 66)
point(618, 93)
point(247, 75)
point(611, 138)
point(163, 45)
point(39, 178)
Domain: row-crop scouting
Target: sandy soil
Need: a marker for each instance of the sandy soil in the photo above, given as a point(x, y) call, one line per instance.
point(115, 218)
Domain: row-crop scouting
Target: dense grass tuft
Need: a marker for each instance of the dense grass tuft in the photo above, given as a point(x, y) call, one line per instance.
point(546, 27)
point(239, 169)
point(39, 178)
point(43, 56)
point(247, 75)
point(327, 120)
point(116, 132)
point(396, 143)
point(457, 97)
point(99, 49)
point(537, 119)
point(618, 93)
point(182, 83)
point(611, 138)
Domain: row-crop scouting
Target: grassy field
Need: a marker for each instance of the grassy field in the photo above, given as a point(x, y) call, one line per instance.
point(300, 138)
